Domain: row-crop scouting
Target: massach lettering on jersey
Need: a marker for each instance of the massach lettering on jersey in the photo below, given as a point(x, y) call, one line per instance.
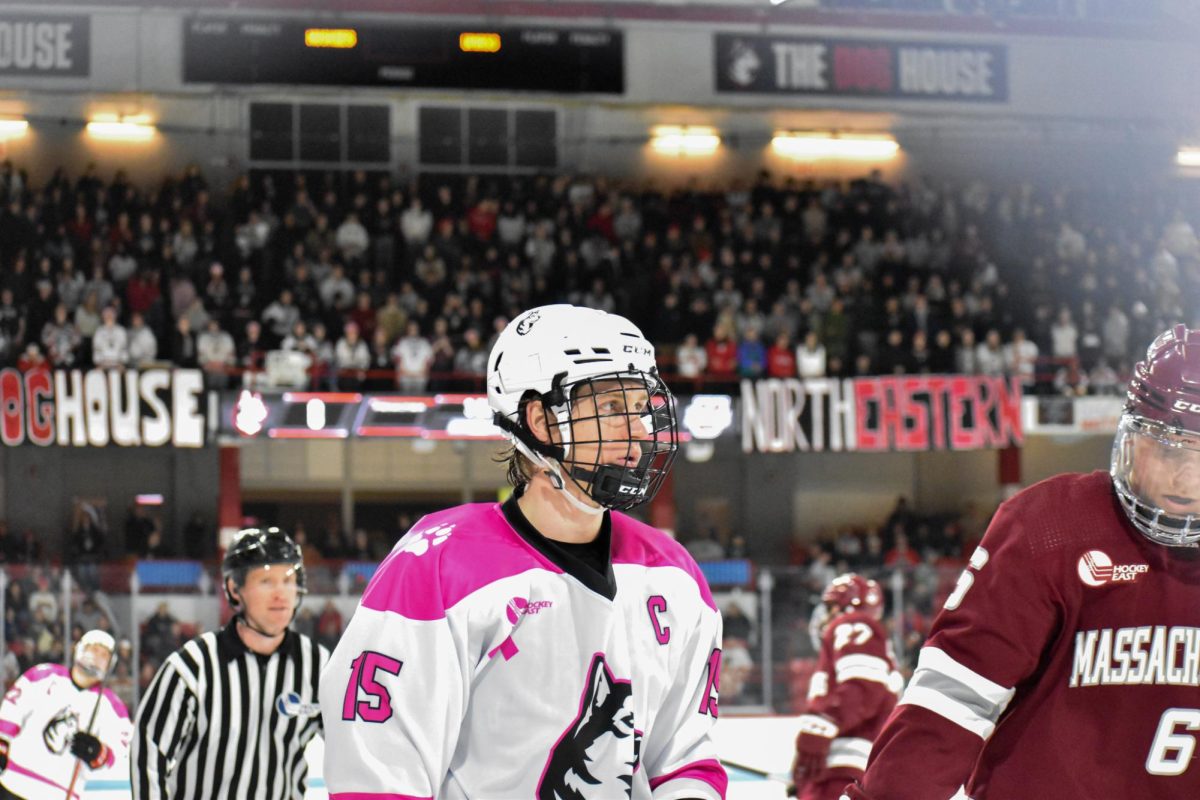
point(1148, 654)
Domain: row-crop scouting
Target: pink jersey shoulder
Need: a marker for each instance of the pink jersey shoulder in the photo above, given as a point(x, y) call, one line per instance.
point(447, 556)
point(635, 542)
point(40, 672)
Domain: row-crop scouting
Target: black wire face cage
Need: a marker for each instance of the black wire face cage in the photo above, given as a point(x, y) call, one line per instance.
point(620, 436)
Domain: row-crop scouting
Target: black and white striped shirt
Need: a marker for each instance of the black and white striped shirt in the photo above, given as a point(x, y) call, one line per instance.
point(220, 722)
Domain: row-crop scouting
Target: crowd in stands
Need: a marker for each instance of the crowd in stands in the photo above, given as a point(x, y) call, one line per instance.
point(371, 281)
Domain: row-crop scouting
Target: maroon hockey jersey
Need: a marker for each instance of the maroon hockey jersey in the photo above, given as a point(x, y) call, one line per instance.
point(856, 685)
point(1066, 664)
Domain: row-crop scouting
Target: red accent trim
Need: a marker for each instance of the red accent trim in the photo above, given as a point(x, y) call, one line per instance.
point(408, 431)
point(305, 433)
point(327, 397)
point(229, 501)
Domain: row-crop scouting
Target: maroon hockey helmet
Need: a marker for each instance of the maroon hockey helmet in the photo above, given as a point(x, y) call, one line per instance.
point(1156, 454)
point(853, 592)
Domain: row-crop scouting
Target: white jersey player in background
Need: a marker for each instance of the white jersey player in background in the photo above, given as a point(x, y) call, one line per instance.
point(44, 724)
point(548, 647)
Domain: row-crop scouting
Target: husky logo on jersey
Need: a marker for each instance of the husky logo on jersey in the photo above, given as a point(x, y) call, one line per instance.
point(419, 542)
point(605, 721)
point(59, 730)
point(289, 704)
point(1096, 568)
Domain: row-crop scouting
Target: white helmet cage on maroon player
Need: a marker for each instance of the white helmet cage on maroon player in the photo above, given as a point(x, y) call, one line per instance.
point(1162, 414)
point(562, 355)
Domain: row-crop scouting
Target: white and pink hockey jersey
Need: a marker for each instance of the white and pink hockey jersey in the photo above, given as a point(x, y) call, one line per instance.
point(39, 715)
point(487, 662)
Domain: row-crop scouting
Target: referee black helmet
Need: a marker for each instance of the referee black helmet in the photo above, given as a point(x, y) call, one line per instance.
point(260, 547)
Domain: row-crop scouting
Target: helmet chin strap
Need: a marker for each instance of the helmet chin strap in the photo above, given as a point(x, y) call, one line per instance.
point(553, 471)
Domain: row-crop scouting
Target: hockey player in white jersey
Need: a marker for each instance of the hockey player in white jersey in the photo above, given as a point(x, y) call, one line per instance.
point(44, 720)
point(548, 647)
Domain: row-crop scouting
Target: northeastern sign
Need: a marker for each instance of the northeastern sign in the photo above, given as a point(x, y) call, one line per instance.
point(870, 415)
point(750, 64)
point(152, 408)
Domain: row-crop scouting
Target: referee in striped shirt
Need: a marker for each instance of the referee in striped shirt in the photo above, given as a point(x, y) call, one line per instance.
point(229, 714)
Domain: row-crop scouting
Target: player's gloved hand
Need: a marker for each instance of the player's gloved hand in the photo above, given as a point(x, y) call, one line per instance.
point(3, 754)
point(89, 749)
point(812, 746)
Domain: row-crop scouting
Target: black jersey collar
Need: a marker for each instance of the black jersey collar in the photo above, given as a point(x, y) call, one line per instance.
point(230, 646)
point(604, 584)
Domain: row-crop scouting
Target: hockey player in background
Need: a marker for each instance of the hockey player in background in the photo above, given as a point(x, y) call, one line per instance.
point(44, 724)
point(549, 646)
point(852, 692)
point(1067, 661)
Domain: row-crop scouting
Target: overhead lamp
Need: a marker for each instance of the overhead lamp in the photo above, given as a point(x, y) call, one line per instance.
point(1188, 157)
point(13, 128)
point(683, 140)
point(110, 127)
point(336, 38)
point(479, 42)
point(814, 146)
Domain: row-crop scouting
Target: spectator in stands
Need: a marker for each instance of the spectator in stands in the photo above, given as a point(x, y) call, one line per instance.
point(721, 351)
point(751, 355)
point(413, 355)
point(363, 315)
point(416, 223)
point(61, 339)
point(1064, 336)
point(706, 547)
point(352, 358)
point(110, 343)
point(183, 344)
point(965, 353)
point(471, 358)
point(143, 345)
point(352, 239)
point(323, 365)
point(217, 355)
point(32, 359)
point(329, 625)
point(336, 291)
point(781, 359)
point(989, 354)
point(281, 315)
point(88, 316)
point(811, 357)
point(12, 321)
point(944, 354)
point(690, 358)
point(160, 634)
point(1020, 359)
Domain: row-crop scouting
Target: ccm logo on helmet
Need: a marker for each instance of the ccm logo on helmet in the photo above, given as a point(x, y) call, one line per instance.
point(1184, 405)
point(636, 350)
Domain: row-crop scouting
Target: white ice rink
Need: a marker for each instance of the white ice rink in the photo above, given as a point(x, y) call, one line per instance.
point(760, 743)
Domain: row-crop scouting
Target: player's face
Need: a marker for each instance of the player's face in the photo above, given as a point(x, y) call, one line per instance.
point(92, 665)
point(611, 420)
point(1166, 473)
point(269, 597)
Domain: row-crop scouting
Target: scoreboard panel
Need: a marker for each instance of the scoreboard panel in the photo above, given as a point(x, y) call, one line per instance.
point(238, 50)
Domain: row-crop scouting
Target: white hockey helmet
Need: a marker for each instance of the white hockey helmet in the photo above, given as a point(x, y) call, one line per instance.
point(550, 353)
point(86, 662)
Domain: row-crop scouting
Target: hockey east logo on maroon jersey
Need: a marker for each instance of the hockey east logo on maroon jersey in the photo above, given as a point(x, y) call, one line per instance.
point(1096, 568)
point(579, 766)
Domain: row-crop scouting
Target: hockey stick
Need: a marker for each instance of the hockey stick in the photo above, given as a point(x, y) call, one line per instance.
point(91, 723)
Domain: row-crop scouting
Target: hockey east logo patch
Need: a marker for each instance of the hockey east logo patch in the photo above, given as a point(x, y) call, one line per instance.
point(598, 753)
point(1096, 568)
point(289, 704)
